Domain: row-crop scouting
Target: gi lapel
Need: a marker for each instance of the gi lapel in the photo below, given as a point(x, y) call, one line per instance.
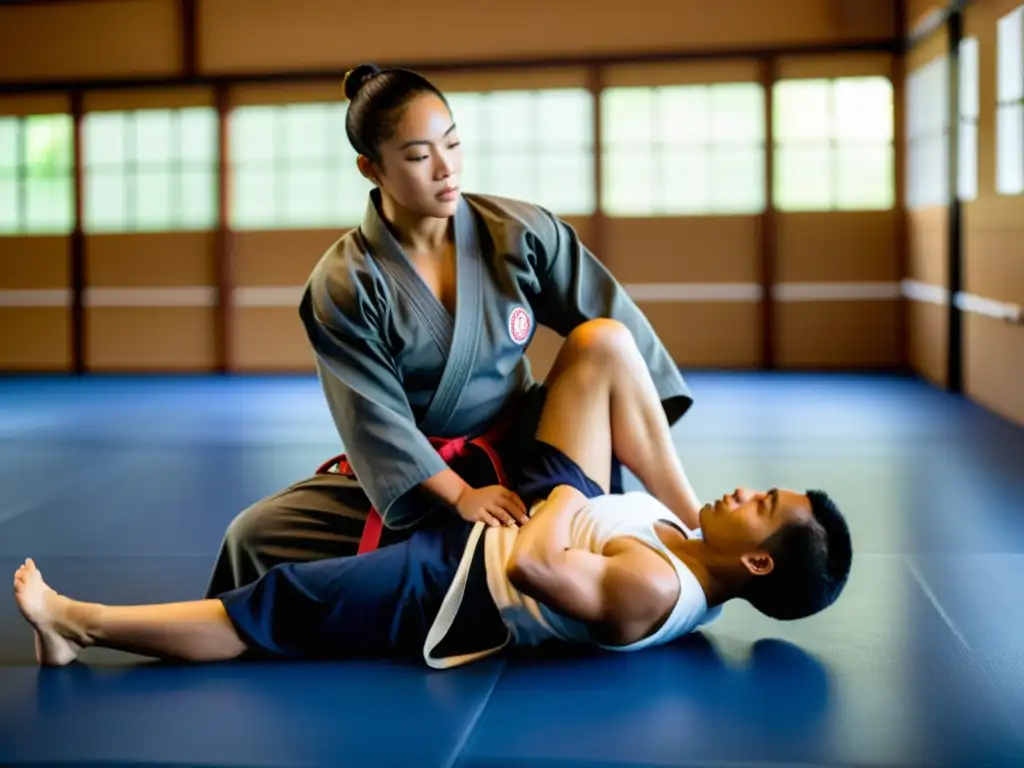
point(396, 264)
point(468, 323)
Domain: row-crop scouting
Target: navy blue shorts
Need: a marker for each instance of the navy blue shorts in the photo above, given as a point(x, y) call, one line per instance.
point(383, 603)
point(545, 468)
point(374, 605)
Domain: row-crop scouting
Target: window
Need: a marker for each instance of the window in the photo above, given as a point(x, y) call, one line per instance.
point(967, 152)
point(927, 129)
point(36, 177)
point(1010, 109)
point(150, 170)
point(293, 168)
point(683, 150)
point(834, 144)
point(535, 146)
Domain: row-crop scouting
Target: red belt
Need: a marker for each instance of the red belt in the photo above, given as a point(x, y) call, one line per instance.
point(448, 448)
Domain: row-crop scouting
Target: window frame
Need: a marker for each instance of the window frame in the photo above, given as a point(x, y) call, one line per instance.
point(659, 149)
point(969, 112)
point(1010, 101)
point(279, 165)
point(129, 171)
point(833, 146)
point(534, 147)
point(919, 191)
point(20, 175)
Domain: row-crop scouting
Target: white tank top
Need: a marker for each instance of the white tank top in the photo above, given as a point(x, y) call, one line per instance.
point(604, 518)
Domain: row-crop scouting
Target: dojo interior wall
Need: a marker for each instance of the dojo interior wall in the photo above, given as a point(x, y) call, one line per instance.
point(990, 215)
point(993, 230)
point(152, 298)
point(213, 298)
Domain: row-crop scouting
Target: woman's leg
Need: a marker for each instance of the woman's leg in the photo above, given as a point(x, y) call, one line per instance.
point(601, 402)
point(189, 631)
point(318, 518)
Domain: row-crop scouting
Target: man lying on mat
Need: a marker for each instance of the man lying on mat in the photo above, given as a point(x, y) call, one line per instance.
point(618, 571)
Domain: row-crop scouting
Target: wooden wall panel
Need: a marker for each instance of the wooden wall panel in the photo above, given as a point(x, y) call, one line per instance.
point(928, 245)
point(150, 302)
point(837, 276)
point(836, 333)
point(993, 364)
point(151, 338)
point(35, 339)
point(101, 38)
point(705, 273)
point(33, 263)
point(708, 334)
point(994, 254)
point(993, 227)
point(35, 104)
point(270, 270)
point(835, 65)
point(694, 249)
point(275, 37)
point(150, 260)
point(927, 345)
point(34, 304)
point(278, 258)
point(271, 339)
point(927, 263)
point(855, 246)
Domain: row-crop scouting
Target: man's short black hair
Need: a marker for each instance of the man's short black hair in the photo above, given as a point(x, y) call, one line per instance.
point(812, 564)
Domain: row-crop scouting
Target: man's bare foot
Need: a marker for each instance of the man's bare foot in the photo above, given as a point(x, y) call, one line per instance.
point(45, 610)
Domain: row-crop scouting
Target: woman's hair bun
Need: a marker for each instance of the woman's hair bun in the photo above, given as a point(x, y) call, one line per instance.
point(356, 79)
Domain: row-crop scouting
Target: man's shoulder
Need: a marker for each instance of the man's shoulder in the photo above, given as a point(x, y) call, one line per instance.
point(640, 585)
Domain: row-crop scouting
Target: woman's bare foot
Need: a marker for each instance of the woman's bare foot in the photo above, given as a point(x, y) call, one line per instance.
point(47, 612)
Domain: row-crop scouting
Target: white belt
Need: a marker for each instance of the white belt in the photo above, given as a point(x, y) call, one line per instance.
point(450, 608)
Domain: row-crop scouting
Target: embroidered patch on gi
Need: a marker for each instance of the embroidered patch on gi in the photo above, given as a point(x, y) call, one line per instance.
point(519, 325)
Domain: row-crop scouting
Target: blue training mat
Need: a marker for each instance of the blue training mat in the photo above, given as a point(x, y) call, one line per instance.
point(120, 489)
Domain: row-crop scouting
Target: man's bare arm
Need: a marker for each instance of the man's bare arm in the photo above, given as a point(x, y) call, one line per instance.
point(581, 585)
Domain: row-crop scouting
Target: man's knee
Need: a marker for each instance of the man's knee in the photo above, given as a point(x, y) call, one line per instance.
point(602, 340)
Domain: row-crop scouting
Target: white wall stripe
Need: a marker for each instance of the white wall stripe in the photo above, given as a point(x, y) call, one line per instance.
point(187, 296)
point(928, 293)
point(269, 296)
point(968, 302)
point(683, 292)
point(836, 291)
point(56, 297)
point(290, 295)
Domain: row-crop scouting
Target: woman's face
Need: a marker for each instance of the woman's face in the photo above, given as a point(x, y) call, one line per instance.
point(421, 163)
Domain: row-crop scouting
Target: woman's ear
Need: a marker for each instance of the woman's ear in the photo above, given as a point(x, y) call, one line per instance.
point(368, 169)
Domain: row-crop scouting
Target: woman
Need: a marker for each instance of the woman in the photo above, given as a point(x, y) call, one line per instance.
point(419, 320)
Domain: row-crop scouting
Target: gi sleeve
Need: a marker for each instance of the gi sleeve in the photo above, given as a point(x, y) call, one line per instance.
point(388, 453)
point(576, 287)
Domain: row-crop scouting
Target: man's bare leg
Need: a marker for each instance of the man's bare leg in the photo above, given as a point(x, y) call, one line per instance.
point(191, 631)
point(601, 400)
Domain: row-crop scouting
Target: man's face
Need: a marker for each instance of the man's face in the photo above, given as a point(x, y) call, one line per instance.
point(739, 523)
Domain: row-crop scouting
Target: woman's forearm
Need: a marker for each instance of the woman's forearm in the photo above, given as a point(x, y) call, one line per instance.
point(446, 485)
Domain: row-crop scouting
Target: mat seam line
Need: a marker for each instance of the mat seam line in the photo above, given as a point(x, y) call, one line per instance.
point(460, 744)
point(919, 578)
point(979, 669)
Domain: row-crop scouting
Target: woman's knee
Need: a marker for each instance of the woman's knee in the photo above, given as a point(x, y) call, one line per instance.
point(602, 340)
point(254, 526)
